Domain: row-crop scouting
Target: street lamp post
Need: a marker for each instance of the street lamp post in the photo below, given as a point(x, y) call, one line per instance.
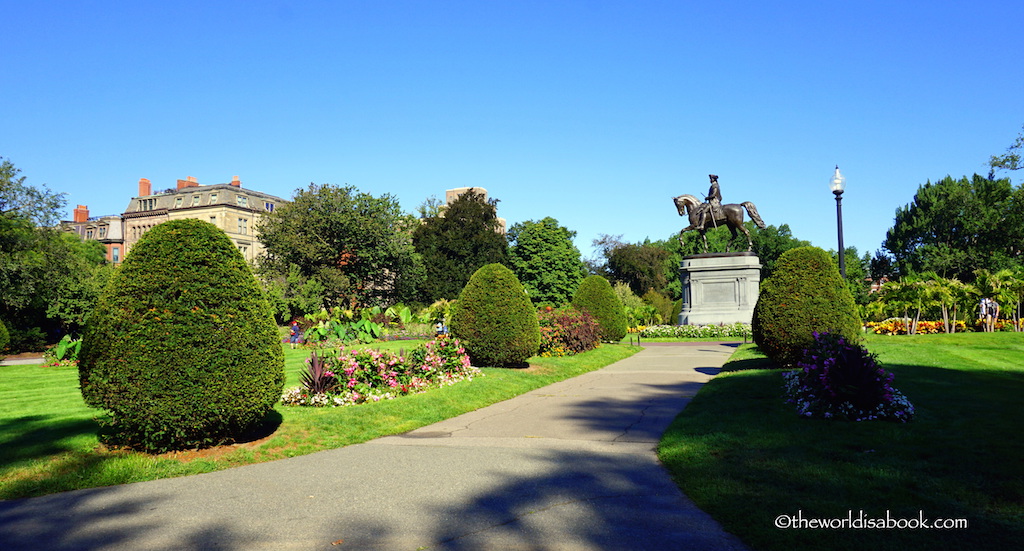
point(837, 184)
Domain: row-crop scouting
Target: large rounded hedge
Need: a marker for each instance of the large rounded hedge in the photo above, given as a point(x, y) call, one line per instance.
point(805, 294)
point(181, 349)
point(596, 296)
point(494, 318)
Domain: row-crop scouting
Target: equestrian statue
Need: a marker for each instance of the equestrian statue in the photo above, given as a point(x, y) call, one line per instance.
point(710, 215)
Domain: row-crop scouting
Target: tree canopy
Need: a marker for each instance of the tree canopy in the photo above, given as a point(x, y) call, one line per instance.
point(954, 227)
point(545, 260)
point(354, 246)
point(1011, 159)
point(464, 237)
point(49, 279)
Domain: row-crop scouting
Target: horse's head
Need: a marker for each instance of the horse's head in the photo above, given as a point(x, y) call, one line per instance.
point(684, 201)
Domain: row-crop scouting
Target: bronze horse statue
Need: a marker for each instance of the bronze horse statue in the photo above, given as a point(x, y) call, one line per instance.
point(731, 215)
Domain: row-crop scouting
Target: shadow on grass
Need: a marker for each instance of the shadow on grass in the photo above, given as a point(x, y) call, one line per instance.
point(958, 459)
point(38, 436)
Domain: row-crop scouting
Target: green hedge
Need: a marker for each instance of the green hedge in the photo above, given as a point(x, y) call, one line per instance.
point(181, 350)
point(596, 296)
point(494, 318)
point(805, 294)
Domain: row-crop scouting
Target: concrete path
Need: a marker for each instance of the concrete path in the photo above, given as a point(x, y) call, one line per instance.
point(570, 466)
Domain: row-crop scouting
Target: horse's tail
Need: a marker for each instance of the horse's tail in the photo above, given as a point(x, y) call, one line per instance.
point(752, 211)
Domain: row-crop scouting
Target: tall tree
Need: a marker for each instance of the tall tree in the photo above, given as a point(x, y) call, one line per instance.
point(1011, 159)
point(545, 260)
point(464, 237)
point(642, 266)
point(954, 227)
point(18, 200)
point(49, 280)
point(356, 246)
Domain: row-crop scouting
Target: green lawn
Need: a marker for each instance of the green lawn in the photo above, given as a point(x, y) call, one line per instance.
point(48, 437)
point(744, 456)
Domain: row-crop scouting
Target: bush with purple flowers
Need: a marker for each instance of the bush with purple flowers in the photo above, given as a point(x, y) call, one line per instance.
point(362, 375)
point(837, 379)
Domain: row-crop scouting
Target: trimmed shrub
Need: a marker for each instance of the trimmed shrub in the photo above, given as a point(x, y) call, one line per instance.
point(804, 295)
point(662, 304)
point(567, 331)
point(840, 380)
point(596, 296)
point(494, 319)
point(5, 337)
point(181, 349)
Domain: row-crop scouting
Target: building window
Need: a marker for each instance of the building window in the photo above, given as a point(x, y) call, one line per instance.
point(147, 204)
point(213, 220)
point(103, 232)
point(195, 200)
point(243, 226)
point(269, 207)
point(243, 201)
point(177, 202)
point(88, 234)
point(115, 254)
point(213, 198)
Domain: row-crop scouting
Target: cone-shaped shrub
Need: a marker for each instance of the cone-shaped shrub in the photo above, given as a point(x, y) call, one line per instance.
point(494, 318)
point(804, 295)
point(596, 296)
point(181, 349)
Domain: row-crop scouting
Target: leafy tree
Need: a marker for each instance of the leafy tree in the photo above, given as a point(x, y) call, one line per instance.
point(770, 243)
point(495, 320)
point(465, 237)
point(19, 200)
point(181, 350)
point(355, 246)
point(642, 266)
point(48, 279)
point(954, 227)
point(545, 260)
point(1011, 159)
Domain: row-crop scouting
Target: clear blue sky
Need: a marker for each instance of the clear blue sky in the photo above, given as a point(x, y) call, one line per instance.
point(593, 112)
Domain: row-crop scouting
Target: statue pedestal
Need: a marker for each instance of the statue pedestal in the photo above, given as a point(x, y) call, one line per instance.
point(719, 288)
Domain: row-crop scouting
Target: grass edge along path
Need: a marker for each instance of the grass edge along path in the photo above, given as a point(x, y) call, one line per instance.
point(743, 456)
point(48, 440)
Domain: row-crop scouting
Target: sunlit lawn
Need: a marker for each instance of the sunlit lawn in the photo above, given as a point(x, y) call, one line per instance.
point(742, 454)
point(48, 437)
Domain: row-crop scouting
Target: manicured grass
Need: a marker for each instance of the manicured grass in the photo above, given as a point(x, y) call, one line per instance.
point(48, 437)
point(744, 456)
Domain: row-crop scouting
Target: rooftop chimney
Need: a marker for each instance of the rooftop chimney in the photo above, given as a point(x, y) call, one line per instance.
point(236, 182)
point(189, 181)
point(145, 188)
point(81, 214)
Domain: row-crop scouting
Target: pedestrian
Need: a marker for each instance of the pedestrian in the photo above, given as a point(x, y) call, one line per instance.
point(294, 333)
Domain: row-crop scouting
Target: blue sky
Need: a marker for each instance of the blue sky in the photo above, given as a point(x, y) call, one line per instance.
point(595, 113)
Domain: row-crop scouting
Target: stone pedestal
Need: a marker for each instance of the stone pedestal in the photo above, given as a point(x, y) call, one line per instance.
point(719, 288)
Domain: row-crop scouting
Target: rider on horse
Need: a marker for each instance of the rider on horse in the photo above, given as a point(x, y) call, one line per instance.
point(713, 204)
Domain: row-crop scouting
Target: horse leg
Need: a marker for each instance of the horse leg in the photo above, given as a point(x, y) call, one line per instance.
point(750, 244)
point(704, 238)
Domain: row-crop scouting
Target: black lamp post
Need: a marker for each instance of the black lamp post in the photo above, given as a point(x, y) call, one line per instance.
point(837, 184)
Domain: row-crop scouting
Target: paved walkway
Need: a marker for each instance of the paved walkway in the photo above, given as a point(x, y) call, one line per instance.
point(570, 466)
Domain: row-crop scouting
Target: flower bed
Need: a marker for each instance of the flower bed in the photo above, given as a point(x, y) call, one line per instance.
point(837, 379)
point(735, 330)
point(359, 376)
point(567, 332)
